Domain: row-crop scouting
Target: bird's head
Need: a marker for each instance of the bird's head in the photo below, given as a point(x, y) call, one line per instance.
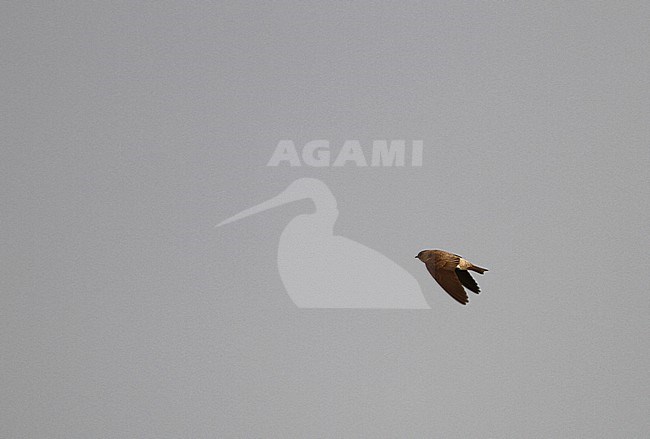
point(424, 255)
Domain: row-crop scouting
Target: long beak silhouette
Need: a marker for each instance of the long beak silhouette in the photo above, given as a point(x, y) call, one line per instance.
point(276, 201)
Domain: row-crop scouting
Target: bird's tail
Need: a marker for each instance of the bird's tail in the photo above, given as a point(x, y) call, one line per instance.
point(478, 269)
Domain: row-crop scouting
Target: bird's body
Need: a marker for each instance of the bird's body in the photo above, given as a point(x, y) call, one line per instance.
point(451, 273)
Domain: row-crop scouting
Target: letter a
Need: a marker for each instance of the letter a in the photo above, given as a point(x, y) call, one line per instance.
point(285, 151)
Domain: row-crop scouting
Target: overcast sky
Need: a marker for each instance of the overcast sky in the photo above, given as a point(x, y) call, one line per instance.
point(130, 129)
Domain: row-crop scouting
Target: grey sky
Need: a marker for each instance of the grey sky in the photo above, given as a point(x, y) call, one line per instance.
point(131, 129)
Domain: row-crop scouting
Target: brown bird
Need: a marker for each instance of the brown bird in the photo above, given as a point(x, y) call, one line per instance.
point(450, 271)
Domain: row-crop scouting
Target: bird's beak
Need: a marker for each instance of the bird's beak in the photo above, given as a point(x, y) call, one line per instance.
point(416, 257)
point(278, 200)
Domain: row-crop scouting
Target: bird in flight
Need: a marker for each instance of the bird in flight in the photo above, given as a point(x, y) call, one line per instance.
point(451, 273)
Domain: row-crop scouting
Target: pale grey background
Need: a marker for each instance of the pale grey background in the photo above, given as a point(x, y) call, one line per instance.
point(130, 129)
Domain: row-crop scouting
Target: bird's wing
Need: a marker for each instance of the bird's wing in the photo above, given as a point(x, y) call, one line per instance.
point(442, 259)
point(467, 280)
point(449, 282)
